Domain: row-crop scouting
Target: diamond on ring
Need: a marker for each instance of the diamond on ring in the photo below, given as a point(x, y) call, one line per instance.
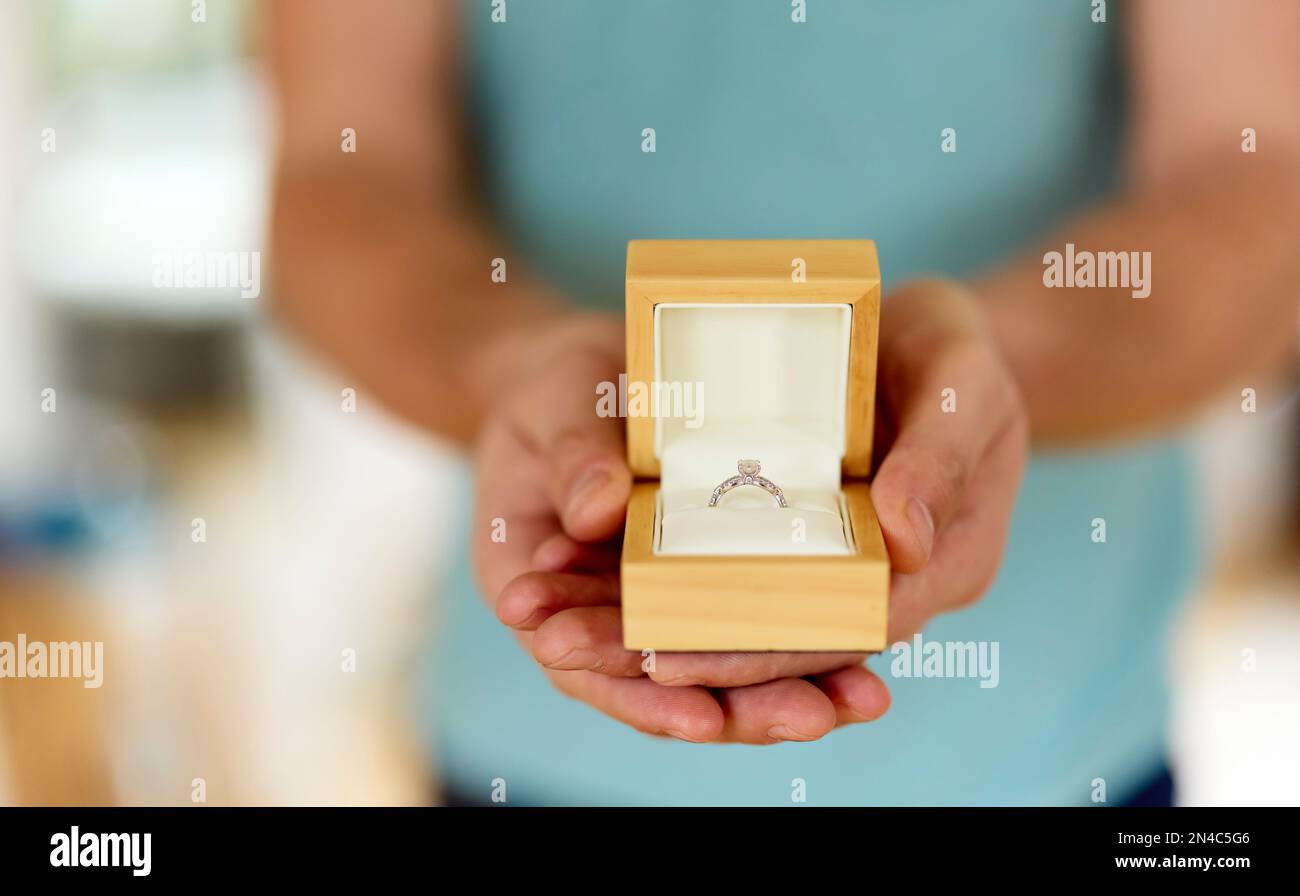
point(748, 470)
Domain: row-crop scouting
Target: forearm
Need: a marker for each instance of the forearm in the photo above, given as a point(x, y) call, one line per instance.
point(397, 291)
point(1221, 314)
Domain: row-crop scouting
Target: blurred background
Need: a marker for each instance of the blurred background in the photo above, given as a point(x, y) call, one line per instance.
point(259, 558)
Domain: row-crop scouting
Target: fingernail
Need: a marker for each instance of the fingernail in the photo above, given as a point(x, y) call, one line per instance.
point(585, 486)
point(922, 524)
point(785, 732)
point(578, 659)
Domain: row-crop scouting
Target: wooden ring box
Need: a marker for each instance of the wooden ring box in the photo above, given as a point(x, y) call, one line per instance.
point(775, 343)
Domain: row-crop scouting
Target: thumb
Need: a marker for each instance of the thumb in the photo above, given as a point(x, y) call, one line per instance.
point(582, 457)
point(588, 480)
point(950, 397)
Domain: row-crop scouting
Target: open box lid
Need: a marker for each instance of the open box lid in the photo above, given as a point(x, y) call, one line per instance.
point(766, 344)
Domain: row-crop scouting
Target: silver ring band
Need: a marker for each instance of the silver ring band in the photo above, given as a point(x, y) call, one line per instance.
point(748, 470)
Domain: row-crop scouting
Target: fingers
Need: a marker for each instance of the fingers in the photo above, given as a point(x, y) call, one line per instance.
point(690, 714)
point(591, 638)
point(587, 478)
point(585, 474)
point(778, 711)
point(546, 465)
point(534, 597)
point(580, 647)
point(587, 639)
point(856, 692)
point(726, 670)
point(561, 553)
point(787, 710)
point(512, 512)
point(922, 481)
point(981, 532)
point(950, 396)
point(969, 549)
point(555, 473)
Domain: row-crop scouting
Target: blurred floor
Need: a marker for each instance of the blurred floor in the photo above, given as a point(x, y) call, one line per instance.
point(231, 660)
point(1236, 723)
point(57, 748)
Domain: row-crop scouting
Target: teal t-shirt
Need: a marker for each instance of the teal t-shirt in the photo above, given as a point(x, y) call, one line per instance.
point(833, 127)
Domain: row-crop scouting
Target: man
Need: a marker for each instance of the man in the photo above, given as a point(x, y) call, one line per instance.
point(969, 140)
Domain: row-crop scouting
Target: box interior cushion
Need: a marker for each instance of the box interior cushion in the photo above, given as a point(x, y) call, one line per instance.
point(773, 379)
point(748, 521)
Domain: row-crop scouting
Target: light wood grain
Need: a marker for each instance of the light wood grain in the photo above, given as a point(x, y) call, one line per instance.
point(754, 603)
point(729, 603)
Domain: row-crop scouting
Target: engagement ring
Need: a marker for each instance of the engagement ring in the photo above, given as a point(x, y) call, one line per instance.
point(748, 470)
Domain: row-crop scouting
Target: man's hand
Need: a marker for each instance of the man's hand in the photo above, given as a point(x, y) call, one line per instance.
point(557, 475)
